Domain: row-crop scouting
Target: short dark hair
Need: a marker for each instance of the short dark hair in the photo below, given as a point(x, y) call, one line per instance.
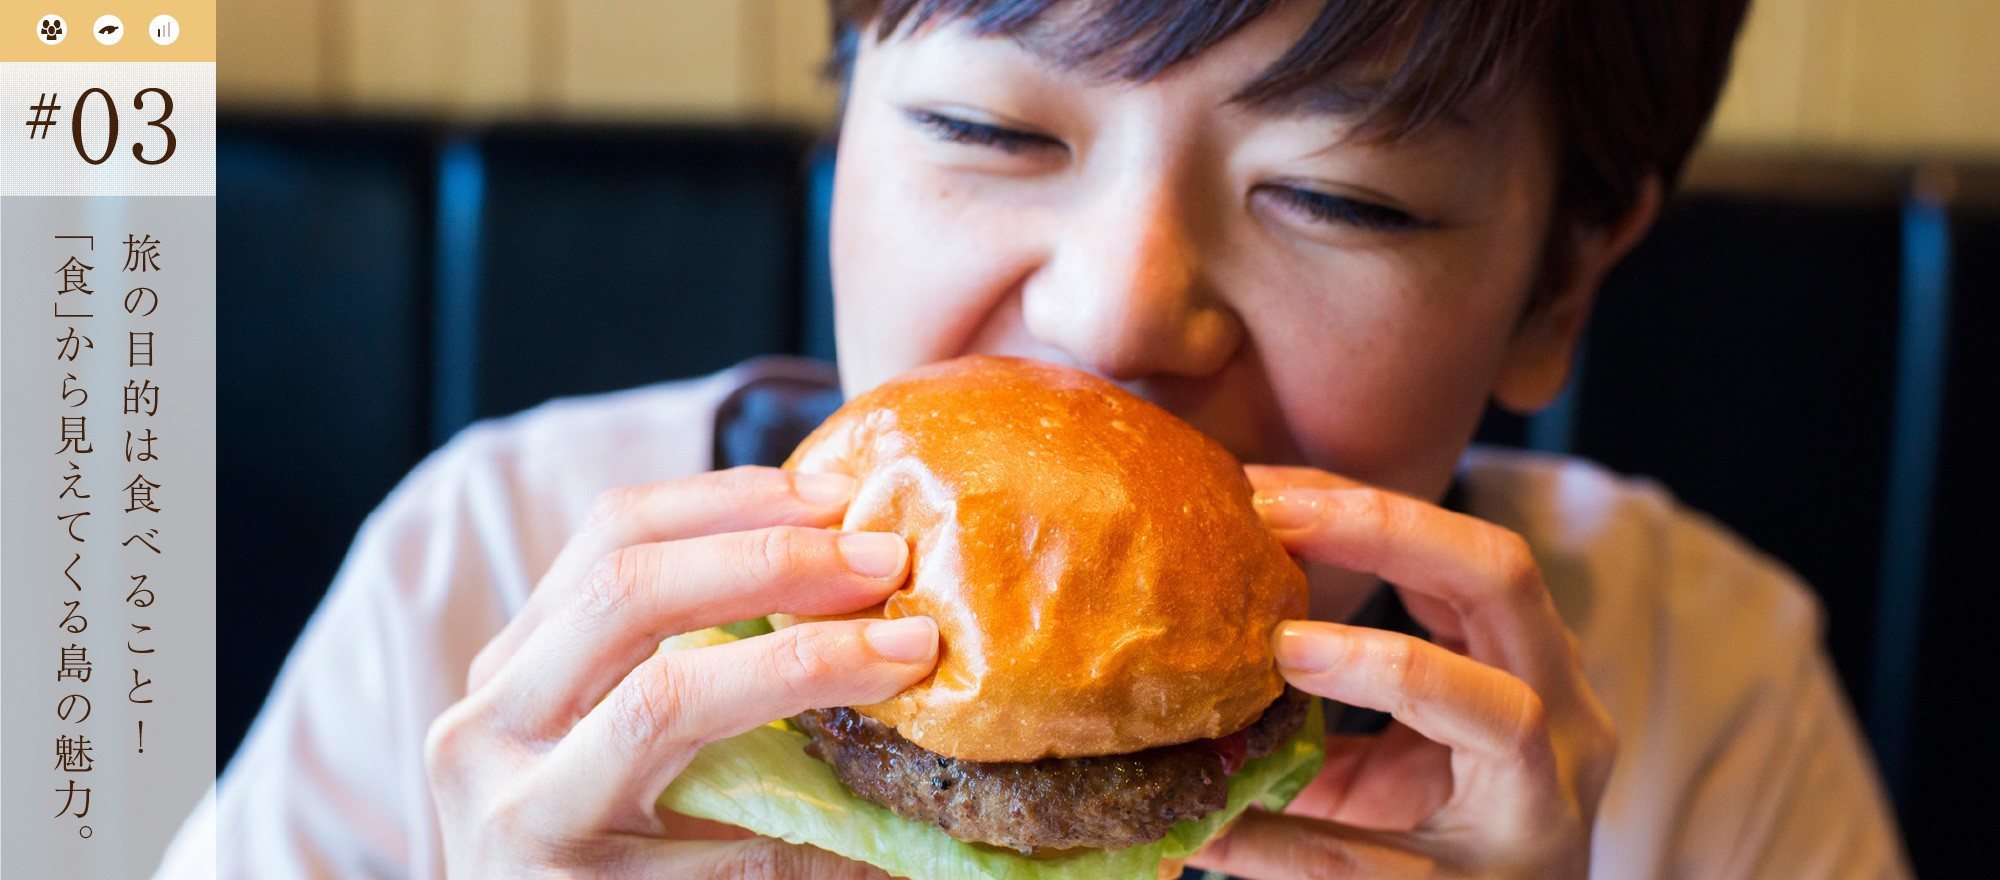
point(1630, 83)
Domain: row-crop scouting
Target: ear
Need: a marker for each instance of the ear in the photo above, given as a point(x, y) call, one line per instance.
point(1539, 357)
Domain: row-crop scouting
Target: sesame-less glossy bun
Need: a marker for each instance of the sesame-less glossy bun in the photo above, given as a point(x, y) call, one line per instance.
point(1100, 580)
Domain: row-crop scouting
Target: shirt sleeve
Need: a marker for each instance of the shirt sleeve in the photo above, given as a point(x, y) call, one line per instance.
point(1738, 755)
point(1773, 777)
point(329, 781)
point(1792, 791)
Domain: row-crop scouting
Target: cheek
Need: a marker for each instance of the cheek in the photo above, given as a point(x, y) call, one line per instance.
point(1381, 363)
point(917, 264)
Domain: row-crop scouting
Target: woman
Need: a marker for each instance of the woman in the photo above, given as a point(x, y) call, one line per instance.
point(1325, 234)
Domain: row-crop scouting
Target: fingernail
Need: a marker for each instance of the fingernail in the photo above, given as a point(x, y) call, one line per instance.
point(823, 490)
point(1307, 648)
point(903, 640)
point(1282, 510)
point(873, 554)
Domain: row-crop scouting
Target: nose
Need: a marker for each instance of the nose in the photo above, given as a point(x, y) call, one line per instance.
point(1125, 292)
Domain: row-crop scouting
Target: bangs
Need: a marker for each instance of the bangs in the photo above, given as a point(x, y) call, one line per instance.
point(1394, 65)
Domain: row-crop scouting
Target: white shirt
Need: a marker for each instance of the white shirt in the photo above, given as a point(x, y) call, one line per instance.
point(1738, 754)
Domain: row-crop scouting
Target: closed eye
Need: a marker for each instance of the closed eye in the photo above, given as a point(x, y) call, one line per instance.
point(1327, 208)
point(960, 131)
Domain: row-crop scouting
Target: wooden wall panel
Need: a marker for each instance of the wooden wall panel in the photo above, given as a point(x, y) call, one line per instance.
point(1765, 100)
point(494, 57)
point(270, 53)
point(441, 56)
point(398, 55)
point(1870, 77)
point(1828, 90)
point(686, 58)
point(1923, 66)
point(792, 41)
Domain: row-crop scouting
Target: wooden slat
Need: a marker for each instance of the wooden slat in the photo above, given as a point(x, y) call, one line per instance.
point(448, 57)
point(687, 58)
point(272, 54)
point(1764, 102)
point(1862, 77)
point(1918, 69)
point(796, 45)
point(493, 57)
point(395, 58)
point(1887, 77)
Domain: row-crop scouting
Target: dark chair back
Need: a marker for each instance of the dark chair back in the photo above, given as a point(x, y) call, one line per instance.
point(323, 317)
point(1744, 354)
point(586, 259)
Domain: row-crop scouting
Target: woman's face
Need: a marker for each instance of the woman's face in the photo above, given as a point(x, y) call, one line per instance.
point(1349, 306)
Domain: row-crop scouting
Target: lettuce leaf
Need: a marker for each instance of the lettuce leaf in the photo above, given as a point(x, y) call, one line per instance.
point(764, 781)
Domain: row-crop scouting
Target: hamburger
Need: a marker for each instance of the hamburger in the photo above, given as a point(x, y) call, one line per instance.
point(1105, 696)
point(1104, 594)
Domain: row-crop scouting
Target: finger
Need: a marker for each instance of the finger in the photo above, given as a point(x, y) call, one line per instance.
point(1268, 846)
point(625, 751)
point(1449, 698)
point(1483, 571)
point(729, 500)
point(637, 596)
point(736, 499)
point(1436, 616)
point(1273, 477)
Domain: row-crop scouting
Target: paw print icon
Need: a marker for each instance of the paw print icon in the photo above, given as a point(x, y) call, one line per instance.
point(52, 30)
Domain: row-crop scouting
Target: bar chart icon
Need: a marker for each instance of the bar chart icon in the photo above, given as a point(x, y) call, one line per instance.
point(164, 30)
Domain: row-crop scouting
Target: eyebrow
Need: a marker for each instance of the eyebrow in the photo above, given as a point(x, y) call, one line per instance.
point(1320, 98)
point(1041, 42)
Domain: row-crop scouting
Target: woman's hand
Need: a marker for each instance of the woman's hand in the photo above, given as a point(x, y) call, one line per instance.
point(1499, 751)
point(573, 724)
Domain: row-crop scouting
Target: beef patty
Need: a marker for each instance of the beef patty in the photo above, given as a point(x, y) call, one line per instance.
point(1058, 803)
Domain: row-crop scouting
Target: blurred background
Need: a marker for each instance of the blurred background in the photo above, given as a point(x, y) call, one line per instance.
point(433, 211)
